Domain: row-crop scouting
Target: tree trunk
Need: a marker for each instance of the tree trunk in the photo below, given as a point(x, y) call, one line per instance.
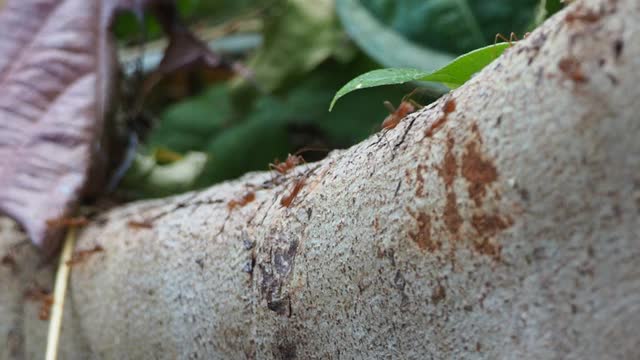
point(511, 232)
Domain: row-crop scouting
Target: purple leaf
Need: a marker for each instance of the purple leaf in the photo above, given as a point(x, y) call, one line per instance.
point(57, 72)
point(58, 75)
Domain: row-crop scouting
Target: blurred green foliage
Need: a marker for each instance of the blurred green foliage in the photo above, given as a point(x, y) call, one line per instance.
point(310, 49)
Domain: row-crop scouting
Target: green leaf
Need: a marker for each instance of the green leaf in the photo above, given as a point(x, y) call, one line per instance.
point(453, 75)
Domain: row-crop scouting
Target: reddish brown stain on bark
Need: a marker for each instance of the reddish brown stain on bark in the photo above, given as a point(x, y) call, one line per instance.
point(571, 68)
point(478, 171)
point(420, 180)
point(449, 168)
point(448, 107)
point(452, 218)
point(422, 237)
point(485, 247)
point(487, 226)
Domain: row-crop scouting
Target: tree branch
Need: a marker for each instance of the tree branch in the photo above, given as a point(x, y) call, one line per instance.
point(514, 232)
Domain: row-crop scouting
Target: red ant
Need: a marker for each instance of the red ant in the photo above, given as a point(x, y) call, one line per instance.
point(406, 107)
point(287, 200)
point(146, 224)
point(291, 161)
point(284, 167)
point(395, 115)
point(45, 298)
point(67, 222)
point(247, 198)
point(82, 255)
point(512, 38)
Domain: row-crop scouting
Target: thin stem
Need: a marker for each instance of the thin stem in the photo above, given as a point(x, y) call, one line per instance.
point(62, 277)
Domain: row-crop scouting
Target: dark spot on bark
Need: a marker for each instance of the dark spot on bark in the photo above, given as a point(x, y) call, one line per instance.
point(439, 293)
point(478, 346)
point(9, 261)
point(618, 45)
point(449, 168)
point(276, 273)
point(590, 251)
point(248, 266)
point(283, 259)
point(452, 218)
point(309, 213)
point(499, 121)
point(574, 309)
point(15, 344)
point(286, 350)
point(478, 171)
point(467, 308)
point(247, 244)
point(391, 255)
point(280, 306)
point(422, 237)
point(399, 281)
point(524, 194)
point(200, 263)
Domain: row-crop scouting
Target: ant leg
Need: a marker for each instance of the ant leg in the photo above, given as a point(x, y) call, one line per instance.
point(501, 37)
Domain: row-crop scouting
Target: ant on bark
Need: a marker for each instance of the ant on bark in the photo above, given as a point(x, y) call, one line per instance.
point(406, 107)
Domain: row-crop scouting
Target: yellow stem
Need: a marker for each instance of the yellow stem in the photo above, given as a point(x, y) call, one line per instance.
point(62, 277)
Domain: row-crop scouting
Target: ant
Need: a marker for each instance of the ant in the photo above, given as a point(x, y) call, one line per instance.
point(247, 198)
point(145, 224)
point(284, 167)
point(67, 222)
point(512, 38)
point(406, 107)
point(291, 161)
point(42, 295)
point(82, 255)
point(287, 200)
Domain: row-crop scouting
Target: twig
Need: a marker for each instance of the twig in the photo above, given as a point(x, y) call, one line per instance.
point(59, 293)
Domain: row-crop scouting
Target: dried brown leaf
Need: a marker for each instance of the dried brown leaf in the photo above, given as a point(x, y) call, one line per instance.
point(58, 74)
point(57, 71)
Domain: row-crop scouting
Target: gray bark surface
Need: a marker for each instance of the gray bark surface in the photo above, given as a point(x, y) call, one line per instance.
point(513, 232)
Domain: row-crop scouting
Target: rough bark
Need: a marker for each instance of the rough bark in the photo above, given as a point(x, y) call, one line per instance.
point(512, 232)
